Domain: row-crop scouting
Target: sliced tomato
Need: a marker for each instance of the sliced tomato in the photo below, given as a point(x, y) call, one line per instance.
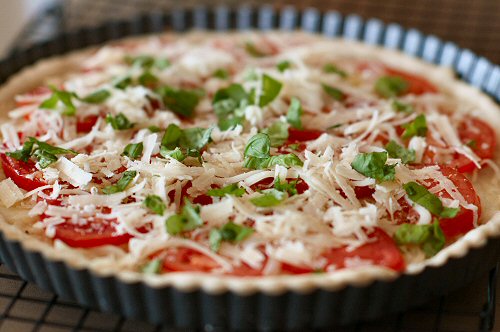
point(95, 233)
point(463, 221)
point(481, 139)
point(363, 192)
point(296, 135)
point(418, 85)
point(21, 172)
point(85, 125)
point(381, 251)
point(185, 259)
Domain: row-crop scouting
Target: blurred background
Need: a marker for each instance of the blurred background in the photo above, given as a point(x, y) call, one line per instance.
point(473, 24)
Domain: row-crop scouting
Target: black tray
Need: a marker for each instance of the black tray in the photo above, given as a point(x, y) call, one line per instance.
point(320, 309)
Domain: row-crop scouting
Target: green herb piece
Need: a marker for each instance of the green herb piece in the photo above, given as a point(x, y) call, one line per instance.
point(283, 65)
point(122, 184)
point(258, 146)
point(472, 144)
point(391, 86)
point(122, 82)
point(230, 232)
point(187, 220)
point(43, 152)
point(294, 113)
point(429, 237)
point(153, 267)
point(229, 105)
point(119, 122)
point(420, 195)
point(233, 189)
point(147, 62)
point(178, 143)
point(63, 97)
point(253, 50)
point(286, 187)
point(399, 106)
point(294, 146)
point(45, 159)
point(221, 73)
point(182, 102)
point(335, 126)
point(148, 79)
point(277, 132)
point(270, 90)
point(154, 129)
point(25, 153)
point(97, 97)
point(333, 92)
point(133, 150)
point(418, 127)
point(397, 151)
point(285, 160)
point(332, 69)
point(155, 204)
point(269, 197)
point(373, 165)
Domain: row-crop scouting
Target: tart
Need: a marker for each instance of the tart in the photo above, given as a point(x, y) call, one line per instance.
point(247, 156)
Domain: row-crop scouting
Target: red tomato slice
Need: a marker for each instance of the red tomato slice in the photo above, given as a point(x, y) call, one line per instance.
point(484, 143)
point(463, 221)
point(185, 259)
point(18, 171)
point(418, 85)
point(383, 251)
point(97, 232)
point(85, 125)
point(296, 135)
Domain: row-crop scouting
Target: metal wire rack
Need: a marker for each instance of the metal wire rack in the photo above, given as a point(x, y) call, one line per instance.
point(25, 307)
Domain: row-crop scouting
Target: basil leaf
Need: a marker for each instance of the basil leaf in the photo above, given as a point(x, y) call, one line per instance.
point(397, 151)
point(221, 73)
point(45, 159)
point(175, 153)
point(51, 149)
point(119, 122)
point(391, 86)
point(283, 65)
point(285, 160)
point(295, 113)
point(153, 267)
point(147, 62)
point(229, 232)
point(155, 204)
point(253, 50)
point(269, 197)
point(233, 189)
point(333, 92)
point(182, 102)
point(187, 220)
point(171, 137)
point(270, 90)
point(373, 165)
point(195, 138)
point(122, 184)
point(399, 106)
point(429, 237)
point(277, 132)
point(418, 127)
point(154, 129)
point(122, 82)
point(332, 69)
point(258, 146)
point(228, 105)
point(97, 97)
point(25, 153)
point(64, 97)
point(133, 150)
point(287, 187)
point(420, 195)
point(148, 79)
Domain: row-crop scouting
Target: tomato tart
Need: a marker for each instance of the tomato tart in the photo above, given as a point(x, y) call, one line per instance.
point(247, 156)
